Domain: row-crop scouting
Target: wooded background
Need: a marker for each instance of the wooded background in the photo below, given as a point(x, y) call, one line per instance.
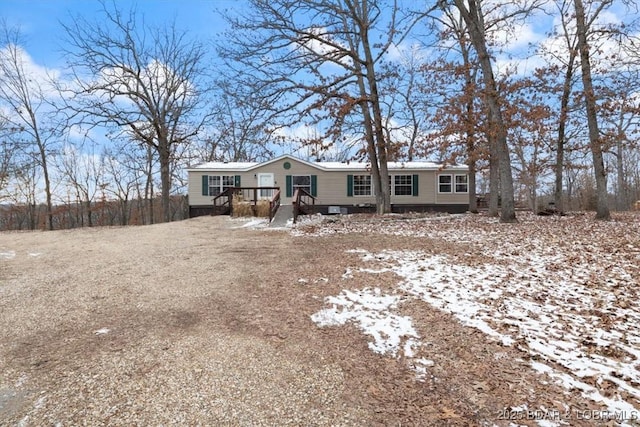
point(106, 140)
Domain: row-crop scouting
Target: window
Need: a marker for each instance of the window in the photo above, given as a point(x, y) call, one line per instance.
point(402, 185)
point(453, 184)
point(302, 182)
point(217, 184)
point(462, 184)
point(444, 184)
point(362, 185)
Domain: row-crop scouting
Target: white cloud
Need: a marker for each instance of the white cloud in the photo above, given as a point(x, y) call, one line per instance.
point(38, 77)
point(520, 37)
point(319, 42)
point(162, 78)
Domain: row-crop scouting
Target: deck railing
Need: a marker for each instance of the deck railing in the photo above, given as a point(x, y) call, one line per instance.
point(274, 204)
point(303, 203)
point(223, 203)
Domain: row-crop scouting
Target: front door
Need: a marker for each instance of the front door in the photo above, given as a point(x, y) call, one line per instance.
point(266, 180)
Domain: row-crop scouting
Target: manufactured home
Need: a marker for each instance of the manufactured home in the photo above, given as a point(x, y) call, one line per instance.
point(335, 187)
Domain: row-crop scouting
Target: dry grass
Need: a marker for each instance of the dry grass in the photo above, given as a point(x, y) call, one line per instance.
point(243, 208)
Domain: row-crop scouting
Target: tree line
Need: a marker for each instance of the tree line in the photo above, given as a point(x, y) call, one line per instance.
point(375, 80)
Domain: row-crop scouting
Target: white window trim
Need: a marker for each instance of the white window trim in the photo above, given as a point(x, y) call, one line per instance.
point(451, 184)
point(455, 184)
point(353, 190)
point(293, 185)
point(221, 187)
point(392, 185)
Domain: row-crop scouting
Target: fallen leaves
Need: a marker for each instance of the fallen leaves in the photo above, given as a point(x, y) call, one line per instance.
point(559, 288)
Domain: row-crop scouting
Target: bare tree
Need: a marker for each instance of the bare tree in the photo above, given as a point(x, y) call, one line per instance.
point(474, 18)
point(83, 172)
point(239, 130)
point(460, 117)
point(326, 72)
point(30, 118)
point(7, 150)
point(121, 185)
point(145, 82)
point(407, 108)
point(530, 125)
point(567, 63)
point(24, 194)
point(595, 144)
point(620, 115)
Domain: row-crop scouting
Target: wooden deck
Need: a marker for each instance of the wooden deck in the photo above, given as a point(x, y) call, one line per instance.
point(231, 198)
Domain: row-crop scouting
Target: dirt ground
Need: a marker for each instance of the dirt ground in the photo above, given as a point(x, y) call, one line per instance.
point(204, 322)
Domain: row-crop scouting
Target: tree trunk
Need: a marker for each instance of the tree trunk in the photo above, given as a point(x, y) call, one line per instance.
point(45, 168)
point(469, 122)
point(470, 143)
point(148, 188)
point(32, 216)
point(494, 179)
point(621, 194)
point(602, 203)
point(164, 157)
point(562, 123)
point(473, 199)
point(474, 20)
point(124, 220)
point(89, 215)
point(376, 181)
point(378, 128)
point(47, 189)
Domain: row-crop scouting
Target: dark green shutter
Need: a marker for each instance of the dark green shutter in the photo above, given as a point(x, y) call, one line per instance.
point(289, 182)
point(236, 180)
point(205, 185)
point(414, 181)
point(314, 185)
point(349, 185)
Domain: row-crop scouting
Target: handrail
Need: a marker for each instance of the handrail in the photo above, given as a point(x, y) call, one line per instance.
point(295, 203)
point(301, 206)
point(223, 203)
point(227, 196)
point(274, 204)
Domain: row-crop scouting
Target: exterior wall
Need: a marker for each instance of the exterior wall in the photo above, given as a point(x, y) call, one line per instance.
point(449, 198)
point(331, 185)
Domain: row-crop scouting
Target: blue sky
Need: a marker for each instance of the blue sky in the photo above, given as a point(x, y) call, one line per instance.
point(39, 20)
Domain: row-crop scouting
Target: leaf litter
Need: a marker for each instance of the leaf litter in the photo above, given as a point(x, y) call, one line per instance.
point(562, 290)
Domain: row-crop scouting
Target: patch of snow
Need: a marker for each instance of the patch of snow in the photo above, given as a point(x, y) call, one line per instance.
point(370, 310)
point(8, 254)
point(40, 402)
point(256, 223)
point(102, 331)
point(21, 381)
point(420, 366)
point(348, 274)
point(34, 254)
point(567, 296)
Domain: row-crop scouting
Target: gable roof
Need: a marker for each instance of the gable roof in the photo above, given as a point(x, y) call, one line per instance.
point(324, 166)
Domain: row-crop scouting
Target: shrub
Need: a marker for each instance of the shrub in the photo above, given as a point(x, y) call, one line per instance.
point(244, 208)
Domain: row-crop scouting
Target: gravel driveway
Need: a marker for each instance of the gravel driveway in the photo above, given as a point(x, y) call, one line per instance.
point(155, 325)
point(205, 322)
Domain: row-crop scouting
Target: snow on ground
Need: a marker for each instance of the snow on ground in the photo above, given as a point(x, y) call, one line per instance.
point(563, 289)
point(7, 254)
point(249, 222)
